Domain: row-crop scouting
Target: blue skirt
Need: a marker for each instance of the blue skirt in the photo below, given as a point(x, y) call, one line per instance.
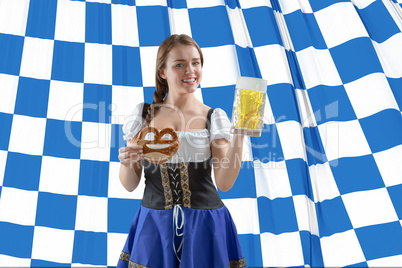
point(182, 237)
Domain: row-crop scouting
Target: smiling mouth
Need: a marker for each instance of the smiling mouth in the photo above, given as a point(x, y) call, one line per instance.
point(192, 80)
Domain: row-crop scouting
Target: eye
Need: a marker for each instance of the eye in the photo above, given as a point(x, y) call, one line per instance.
point(196, 63)
point(179, 65)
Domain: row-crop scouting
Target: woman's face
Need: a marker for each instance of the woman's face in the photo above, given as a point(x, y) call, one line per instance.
point(183, 70)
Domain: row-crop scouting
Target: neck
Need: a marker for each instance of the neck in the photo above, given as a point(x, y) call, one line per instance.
point(181, 101)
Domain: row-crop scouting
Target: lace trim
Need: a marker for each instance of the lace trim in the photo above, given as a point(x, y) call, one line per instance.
point(237, 263)
point(185, 185)
point(166, 187)
point(136, 265)
point(126, 257)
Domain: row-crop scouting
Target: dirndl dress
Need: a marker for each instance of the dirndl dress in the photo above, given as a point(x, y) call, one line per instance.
point(182, 222)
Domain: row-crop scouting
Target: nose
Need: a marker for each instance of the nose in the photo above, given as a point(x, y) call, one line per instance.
point(189, 69)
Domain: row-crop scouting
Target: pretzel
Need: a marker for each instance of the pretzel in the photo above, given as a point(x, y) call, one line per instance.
point(161, 155)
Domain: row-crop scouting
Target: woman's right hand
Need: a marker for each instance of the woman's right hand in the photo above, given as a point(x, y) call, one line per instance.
point(130, 155)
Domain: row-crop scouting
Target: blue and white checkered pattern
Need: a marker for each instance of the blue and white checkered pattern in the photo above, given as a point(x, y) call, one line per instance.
point(321, 187)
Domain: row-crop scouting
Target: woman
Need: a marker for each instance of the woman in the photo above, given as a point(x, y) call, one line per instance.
point(182, 221)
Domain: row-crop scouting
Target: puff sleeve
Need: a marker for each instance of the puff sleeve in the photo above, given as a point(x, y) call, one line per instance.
point(133, 123)
point(220, 125)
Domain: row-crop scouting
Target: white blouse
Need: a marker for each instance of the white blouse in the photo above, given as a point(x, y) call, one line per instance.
point(194, 145)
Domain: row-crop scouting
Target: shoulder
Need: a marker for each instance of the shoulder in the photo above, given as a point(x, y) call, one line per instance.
point(137, 108)
point(219, 114)
point(197, 109)
point(133, 121)
point(140, 109)
point(220, 125)
point(203, 108)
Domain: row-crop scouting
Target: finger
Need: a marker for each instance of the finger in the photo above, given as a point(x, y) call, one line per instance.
point(134, 159)
point(138, 154)
point(129, 158)
point(133, 155)
point(134, 146)
point(129, 149)
point(123, 157)
point(135, 151)
point(125, 150)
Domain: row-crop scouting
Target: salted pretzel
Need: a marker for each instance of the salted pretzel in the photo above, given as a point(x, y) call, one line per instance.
point(154, 155)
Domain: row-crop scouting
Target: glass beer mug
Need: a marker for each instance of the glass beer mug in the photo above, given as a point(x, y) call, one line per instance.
point(248, 106)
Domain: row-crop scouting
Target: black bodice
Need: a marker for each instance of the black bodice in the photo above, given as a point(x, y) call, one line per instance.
point(186, 184)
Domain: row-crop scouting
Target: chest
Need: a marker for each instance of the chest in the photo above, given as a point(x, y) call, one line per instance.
point(179, 121)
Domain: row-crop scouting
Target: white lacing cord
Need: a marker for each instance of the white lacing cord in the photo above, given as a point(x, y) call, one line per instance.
point(176, 210)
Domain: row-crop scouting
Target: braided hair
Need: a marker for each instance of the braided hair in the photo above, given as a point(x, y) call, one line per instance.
point(161, 85)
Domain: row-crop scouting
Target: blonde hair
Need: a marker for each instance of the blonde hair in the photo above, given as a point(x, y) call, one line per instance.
point(161, 86)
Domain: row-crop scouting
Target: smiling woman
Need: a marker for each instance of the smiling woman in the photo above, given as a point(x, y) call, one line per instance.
point(182, 222)
point(178, 70)
point(183, 70)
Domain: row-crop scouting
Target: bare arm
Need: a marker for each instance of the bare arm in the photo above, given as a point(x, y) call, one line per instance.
point(227, 158)
point(130, 166)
